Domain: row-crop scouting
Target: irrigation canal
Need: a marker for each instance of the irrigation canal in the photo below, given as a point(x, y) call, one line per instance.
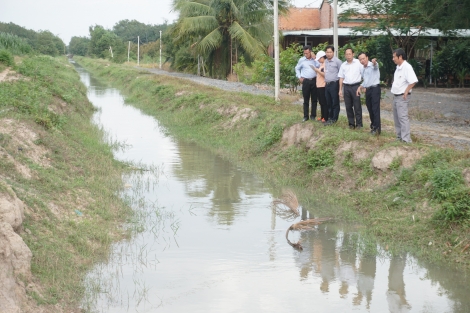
point(208, 240)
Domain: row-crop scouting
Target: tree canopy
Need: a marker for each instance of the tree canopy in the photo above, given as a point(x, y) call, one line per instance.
point(43, 41)
point(224, 30)
point(101, 40)
point(129, 30)
point(404, 21)
point(79, 45)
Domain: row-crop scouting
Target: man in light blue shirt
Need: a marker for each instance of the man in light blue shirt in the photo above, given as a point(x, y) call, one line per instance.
point(308, 78)
point(371, 87)
point(332, 66)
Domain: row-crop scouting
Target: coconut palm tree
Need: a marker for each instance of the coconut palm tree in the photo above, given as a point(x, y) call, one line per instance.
point(224, 30)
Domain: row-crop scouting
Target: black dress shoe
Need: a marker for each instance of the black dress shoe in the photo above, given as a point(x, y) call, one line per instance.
point(359, 127)
point(351, 127)
point(312, 117)
point(305, 119)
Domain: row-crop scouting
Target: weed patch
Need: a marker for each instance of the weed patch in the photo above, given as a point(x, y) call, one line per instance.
point(318, 159)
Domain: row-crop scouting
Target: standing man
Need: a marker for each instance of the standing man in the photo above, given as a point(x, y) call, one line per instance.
point(332, 66)
point(321, 86)
point(308, 78)
point(371, 87)
point(350, 77)
point(404, 80)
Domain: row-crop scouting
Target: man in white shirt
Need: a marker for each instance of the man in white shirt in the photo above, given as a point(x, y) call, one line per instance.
point(308, 78)
point(350, 77)
point(404, 80)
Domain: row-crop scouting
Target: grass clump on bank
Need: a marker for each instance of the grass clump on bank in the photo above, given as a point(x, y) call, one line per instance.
point(67, 177)
point(412, 198)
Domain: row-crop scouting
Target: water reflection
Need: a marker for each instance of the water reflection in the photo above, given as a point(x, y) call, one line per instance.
point(225, 185)
point(208, 240)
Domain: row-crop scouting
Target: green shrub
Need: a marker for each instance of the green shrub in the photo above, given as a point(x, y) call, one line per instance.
point(449, 189)
point(456, 207)
point(267, 137)
point(6, 58)
point(444, 181)
point(434, 158)
point(320, 158)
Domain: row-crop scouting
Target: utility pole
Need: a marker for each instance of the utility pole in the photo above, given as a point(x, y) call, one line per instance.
point(138, 50)
point(335, 26)
point(128, 51)
point(430, 64)
point(160, 49)
point(198, 65)
point(276, 52)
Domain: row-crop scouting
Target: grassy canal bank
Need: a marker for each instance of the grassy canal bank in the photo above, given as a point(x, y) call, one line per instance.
point(55, 166)
point(412, 198)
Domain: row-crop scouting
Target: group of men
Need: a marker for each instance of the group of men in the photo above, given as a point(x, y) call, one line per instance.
point(325, 79)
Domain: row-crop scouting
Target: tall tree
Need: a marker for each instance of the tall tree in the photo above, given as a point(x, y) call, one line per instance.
point(129, 30)
point(79, 45)
point(223, 30)
point(43, 41)
point(100, 41)
point(446, 15)
point(47, 43)
point(401, 20)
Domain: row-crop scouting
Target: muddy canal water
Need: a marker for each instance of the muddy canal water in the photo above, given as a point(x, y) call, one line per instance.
point(207, 240)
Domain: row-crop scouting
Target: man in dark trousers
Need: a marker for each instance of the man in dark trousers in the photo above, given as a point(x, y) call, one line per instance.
point(308, 78)
point(350, 78)
point(332, 66)
point(371, 87)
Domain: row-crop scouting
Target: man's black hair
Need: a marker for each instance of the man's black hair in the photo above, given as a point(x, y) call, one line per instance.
point(307, 47)
point(399, 52)
point(330, 47)
point(364, 53)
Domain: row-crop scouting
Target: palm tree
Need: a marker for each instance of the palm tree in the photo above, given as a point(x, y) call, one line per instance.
point(224, 30)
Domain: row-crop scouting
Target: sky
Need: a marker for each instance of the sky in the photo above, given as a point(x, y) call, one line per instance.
point(68, 18)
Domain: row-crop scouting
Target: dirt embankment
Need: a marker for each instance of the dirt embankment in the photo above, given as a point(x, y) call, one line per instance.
point(19, 153)
point(15, 256)
point(438, 116)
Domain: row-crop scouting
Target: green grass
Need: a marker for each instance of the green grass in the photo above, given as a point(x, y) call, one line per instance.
point(396, 206)
point(78, 173)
